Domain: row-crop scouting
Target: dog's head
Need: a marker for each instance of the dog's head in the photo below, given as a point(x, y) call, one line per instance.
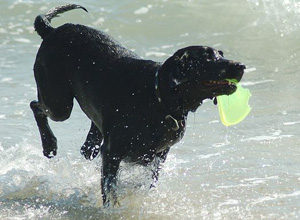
point(199, 72)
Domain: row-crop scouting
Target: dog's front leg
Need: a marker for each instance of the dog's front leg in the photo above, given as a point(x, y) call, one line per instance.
point(110, 166)
point(158, 160)
point(49, 141)
point(91, 147)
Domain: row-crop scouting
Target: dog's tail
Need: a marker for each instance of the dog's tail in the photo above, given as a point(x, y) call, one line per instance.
point(42, 22)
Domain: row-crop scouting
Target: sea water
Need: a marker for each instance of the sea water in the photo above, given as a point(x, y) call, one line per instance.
point(246, 171)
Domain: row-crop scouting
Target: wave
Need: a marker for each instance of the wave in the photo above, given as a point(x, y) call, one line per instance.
point(283, 15)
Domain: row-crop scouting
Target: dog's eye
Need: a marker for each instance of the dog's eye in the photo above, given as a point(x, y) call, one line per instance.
point(211, 59)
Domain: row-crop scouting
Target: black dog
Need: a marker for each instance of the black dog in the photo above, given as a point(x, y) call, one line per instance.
point(138, 108)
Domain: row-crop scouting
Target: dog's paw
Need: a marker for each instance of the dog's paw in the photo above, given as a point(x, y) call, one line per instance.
point(50, 154)
point(49, 147)
point(111, 199)
point(89, 151)
point(113, 203)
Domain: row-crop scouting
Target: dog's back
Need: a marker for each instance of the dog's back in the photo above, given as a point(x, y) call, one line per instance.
point(70, 53)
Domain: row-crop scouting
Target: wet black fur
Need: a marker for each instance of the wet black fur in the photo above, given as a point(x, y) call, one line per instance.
point(137, 107)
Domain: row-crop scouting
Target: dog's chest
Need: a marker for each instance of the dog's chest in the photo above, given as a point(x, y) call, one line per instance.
point(170, 133)
point(150, 140)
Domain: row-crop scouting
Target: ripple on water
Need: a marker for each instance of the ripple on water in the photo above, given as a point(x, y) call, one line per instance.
point(276, 135)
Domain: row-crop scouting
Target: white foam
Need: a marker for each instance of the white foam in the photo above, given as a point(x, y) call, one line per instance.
point(229, 202)
point(207, 156)
point(256, 82)
point(267, 138)
point(154, 53)
point(276, 196)
point(142, 10)
point(23, 40)
point(248, 70)
point(99, 22)
point(291, 123)
point(7, 79)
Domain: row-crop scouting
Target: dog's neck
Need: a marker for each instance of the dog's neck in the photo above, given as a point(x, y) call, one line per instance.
point(175, 114)
point(178, 105)
point(156, 86)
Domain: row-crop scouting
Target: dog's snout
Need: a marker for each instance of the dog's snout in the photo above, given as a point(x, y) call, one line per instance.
point(240, 66)
point(233, 65)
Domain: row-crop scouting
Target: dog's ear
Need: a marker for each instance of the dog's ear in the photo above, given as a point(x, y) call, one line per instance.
point(221, 53)
point(177, 64)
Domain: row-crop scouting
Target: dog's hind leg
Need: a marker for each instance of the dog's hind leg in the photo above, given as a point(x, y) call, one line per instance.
point(91, 147)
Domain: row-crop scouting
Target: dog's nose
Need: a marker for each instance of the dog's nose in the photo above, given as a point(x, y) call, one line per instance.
point(240, 66)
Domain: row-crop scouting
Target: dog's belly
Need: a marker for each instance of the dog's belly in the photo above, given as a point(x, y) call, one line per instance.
point(143, 147)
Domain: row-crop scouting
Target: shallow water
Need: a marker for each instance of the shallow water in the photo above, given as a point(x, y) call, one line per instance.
point(247, 171)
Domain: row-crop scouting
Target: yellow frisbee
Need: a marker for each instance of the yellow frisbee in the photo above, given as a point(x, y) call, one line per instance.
point(234, 108)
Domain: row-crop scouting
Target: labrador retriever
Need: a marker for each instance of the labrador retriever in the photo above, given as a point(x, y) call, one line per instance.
point(137, 107)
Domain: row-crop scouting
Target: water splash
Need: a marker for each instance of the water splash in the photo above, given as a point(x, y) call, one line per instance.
point(284, 15)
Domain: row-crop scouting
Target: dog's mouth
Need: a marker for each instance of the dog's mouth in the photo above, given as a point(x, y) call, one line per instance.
point(221, 87)
point(220, 83)
point(226, 85)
